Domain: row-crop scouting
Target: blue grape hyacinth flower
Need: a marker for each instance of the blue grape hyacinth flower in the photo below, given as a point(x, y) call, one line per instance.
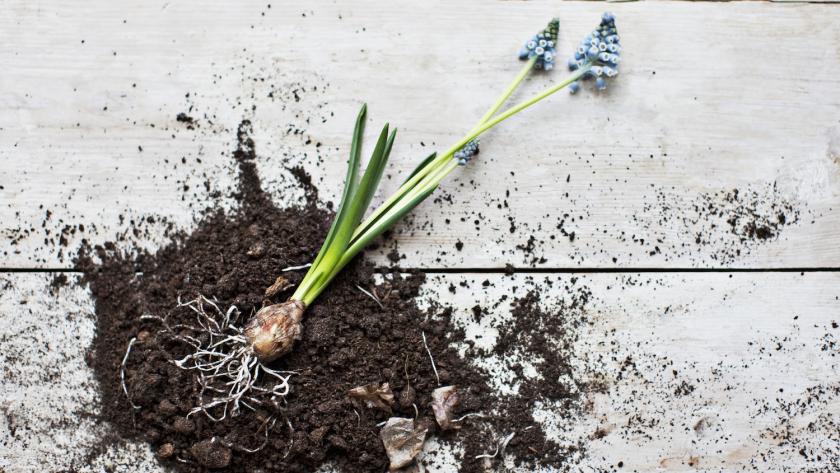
point(600, 50)
point(541, 46)
point(469, 150)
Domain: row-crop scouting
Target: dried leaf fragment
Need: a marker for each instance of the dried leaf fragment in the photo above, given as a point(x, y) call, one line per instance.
point(166, 450)
point(444, 401)
point(374, 396)
point(280, 285)
point(403, 441)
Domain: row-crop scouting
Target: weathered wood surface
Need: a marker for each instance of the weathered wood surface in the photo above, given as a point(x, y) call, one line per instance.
point(703, 371)
point(712, 97)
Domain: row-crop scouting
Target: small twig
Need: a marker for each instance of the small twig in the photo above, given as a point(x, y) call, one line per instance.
point(122, 372)
point(375, 299)
point(434, 368)
point(295, 268)
point(500, 447)
point(388, 290)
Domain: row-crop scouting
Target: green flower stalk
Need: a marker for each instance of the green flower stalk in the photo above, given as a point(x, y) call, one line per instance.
point(272, 331)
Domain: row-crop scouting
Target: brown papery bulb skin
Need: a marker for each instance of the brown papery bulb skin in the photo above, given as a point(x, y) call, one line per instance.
point(272, 331)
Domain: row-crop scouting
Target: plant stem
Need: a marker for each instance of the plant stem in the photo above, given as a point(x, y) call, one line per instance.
point(527, 103)
point(421, 185)
point(529, 66)
point(314, 278)
point(433, 179)
point(435, 163)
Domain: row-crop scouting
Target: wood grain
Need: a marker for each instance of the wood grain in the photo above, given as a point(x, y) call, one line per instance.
point(712, 97)
point(705, 371)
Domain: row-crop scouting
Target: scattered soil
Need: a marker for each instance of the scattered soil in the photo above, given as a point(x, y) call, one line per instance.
point(543, 338)
point(60, 280)
point(349, 340)
point(723, 225)
point(186, 119)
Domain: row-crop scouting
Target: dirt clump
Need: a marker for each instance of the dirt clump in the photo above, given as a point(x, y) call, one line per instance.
point(350, 340)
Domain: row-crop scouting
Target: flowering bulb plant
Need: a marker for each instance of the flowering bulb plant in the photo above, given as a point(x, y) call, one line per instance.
point(273, 330)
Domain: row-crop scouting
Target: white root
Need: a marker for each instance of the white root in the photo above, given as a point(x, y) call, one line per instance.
point(122, 372)
point(296, 268)
point(434, 368)
point(291, 438)
point(369, 294)
point(227, 369)
point(467, 416)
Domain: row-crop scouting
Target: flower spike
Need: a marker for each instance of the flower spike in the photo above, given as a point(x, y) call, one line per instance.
point(601, 50)
point(274, 329)
point(541, 46)
point(466, 153)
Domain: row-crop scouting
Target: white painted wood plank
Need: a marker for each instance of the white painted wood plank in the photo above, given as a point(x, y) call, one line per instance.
point(712, 97)
point(747, 348)
point(48, 394)
point(744, 351)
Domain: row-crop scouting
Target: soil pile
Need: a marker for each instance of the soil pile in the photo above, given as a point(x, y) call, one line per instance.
point(350, 339)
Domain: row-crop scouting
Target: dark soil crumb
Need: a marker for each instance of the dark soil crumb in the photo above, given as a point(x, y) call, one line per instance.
point(60, 280)
point(186, 119)
point(543, 338)
point(394, 256)
point(750, 215)
point(349, 341)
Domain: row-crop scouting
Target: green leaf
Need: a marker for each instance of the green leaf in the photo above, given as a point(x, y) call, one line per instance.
point(420, 166)
point(385, 206)
point(356, 207)
point(370, 180)
point(376, 168)
point(363, 240)
point(387, 220)
point(350, 185)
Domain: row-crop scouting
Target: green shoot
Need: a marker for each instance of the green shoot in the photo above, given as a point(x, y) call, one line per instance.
point(273, 329)
point(416, 189)
point(420, 184)
point(355, 200)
